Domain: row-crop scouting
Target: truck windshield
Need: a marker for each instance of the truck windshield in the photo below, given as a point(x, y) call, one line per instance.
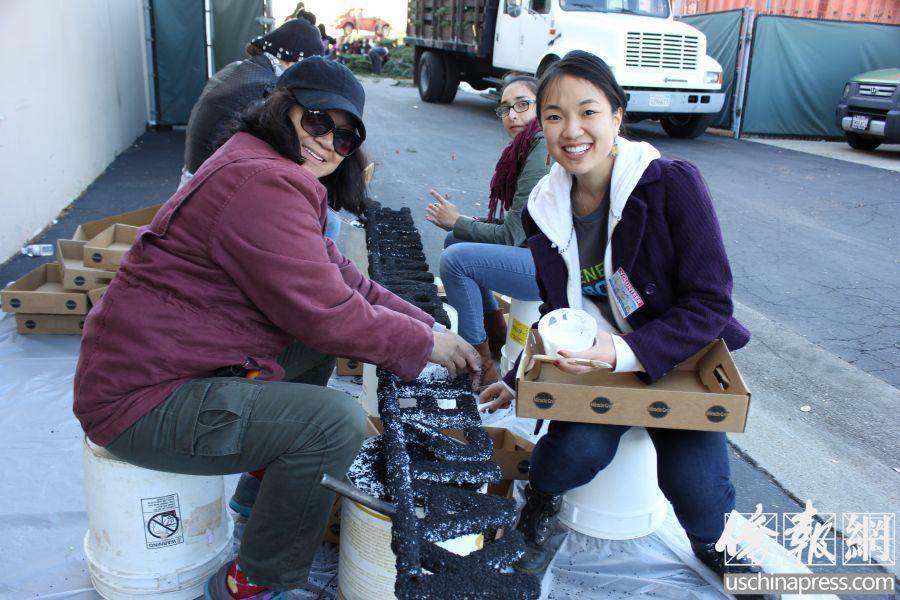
point(646, 8)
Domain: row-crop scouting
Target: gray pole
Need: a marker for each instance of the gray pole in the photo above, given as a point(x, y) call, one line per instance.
point(740, 90)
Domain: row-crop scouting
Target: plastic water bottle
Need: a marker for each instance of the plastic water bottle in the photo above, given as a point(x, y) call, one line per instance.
point(38, 250)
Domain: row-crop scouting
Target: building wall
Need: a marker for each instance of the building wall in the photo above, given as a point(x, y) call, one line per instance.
point(866, 11)
point(74, 96)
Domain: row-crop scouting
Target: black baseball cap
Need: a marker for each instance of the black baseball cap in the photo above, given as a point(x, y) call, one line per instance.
point(321, 84)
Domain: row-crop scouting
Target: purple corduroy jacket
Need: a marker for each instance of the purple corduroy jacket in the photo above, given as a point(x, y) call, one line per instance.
point(233, 268)
point(670, 245)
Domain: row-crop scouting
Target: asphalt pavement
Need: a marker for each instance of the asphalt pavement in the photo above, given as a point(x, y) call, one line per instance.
point(813, 246)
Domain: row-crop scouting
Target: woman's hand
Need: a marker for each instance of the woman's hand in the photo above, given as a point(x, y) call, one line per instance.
point(455, 354)
point(603, 351)
point(441, 212)
point(495, 397)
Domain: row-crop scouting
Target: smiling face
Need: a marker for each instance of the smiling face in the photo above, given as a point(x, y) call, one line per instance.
point(515, 122)
point(320, 157)
point(579, 124)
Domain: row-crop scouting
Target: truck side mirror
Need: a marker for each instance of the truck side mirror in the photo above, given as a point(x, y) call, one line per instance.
point(514, 7)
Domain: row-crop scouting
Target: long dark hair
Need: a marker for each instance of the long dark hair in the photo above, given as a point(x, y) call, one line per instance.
point(506, 173)
point(589, 67)
point(270, 121)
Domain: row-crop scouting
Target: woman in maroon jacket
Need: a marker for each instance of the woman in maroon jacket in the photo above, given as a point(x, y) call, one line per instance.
point(633, 239)
point(232, 271)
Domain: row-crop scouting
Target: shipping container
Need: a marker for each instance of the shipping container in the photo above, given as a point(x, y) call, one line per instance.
point(867, 11)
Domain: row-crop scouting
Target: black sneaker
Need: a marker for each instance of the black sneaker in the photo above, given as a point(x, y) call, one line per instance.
point(715, 560)
point(536, 524)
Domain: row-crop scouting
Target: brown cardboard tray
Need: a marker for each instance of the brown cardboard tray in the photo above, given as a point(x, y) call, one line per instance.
point(349, 367)
point(136, 218)
point(74, 275)
point(705, 392)
point(106, 249)
point(29, 324)
point(41, 292)
point(95, 294)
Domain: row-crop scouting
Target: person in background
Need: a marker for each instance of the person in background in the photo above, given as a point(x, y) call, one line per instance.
point(613, 221)
point(241, 83)
point(481, 257)
point(378, 54)
point(208, 353)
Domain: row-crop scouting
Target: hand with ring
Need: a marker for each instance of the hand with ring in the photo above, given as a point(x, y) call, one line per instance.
point(442, 212)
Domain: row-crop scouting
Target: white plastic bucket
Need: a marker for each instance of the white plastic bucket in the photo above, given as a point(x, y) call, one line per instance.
point(623, 501)
point(567, 329)
point(367, 565)
point(152, 533)
point(453, 315)
point(522, 314)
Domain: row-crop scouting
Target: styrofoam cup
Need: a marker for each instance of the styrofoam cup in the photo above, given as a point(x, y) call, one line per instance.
point(569, 329)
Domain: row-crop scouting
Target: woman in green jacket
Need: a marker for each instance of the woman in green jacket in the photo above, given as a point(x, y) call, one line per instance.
point(481, 257)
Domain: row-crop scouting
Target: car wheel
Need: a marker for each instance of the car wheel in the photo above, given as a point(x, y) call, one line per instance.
point(348, 28)
point(862, 142)
point(431, 76)
point(686, 126)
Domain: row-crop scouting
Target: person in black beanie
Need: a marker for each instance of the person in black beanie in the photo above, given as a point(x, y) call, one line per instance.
point(236, 86)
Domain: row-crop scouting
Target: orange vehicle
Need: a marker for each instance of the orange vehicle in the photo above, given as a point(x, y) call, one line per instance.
point(356, 19)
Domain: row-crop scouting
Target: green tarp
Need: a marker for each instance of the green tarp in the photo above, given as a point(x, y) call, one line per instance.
point(180, 58)
point(179, 39)
point(799, 67)
point(234, 24)
point(722, 30)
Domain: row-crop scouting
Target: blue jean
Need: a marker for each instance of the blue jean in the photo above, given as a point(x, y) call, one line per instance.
point(692, 468)
point(471, 272)
point(332, 225)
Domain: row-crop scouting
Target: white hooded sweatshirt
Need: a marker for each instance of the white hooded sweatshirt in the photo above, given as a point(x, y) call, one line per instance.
point(550, 207)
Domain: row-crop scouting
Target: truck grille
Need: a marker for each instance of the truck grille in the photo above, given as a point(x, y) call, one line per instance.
point(661, 50)
point(873, 89)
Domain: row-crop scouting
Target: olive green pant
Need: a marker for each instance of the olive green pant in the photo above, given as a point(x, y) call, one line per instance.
point(296, 431)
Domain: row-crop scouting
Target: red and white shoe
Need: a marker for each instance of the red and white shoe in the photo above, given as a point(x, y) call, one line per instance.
point(230, 583)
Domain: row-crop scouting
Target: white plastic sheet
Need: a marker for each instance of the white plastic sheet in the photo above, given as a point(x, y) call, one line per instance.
point(43, 517)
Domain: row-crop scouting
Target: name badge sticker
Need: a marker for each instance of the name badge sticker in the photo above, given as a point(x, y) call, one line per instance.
point(627, 298)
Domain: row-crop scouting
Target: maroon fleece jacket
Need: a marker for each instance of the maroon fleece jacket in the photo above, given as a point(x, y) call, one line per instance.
point(233, 268)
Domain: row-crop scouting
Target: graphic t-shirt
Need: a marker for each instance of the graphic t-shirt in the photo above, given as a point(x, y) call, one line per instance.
point(590, 233)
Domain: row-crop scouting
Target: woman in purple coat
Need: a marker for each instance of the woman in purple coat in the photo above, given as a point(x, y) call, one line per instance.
point(634, 240)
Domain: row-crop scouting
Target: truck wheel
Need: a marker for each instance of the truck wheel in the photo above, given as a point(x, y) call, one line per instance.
point(686, 126)
point(451, 79)
point(432, 78)
point(862, 142)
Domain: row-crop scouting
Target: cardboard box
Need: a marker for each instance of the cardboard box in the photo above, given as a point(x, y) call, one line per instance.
point(106, 249)
point(136, 218)
point(49, 324)
point(73, 273)
point(511, 452)
point(41, 292)
point(95, 294)
point(349, 367)
point(705, 393)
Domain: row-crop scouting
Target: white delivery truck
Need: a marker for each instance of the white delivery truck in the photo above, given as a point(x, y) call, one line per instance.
point(661, 63)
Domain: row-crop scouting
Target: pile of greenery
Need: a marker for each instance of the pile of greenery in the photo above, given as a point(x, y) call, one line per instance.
point(399, 65)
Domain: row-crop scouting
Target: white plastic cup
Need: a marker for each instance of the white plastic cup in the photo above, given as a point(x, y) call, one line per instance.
point(569, 329)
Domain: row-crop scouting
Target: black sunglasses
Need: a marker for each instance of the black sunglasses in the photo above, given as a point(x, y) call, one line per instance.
point(318, 123)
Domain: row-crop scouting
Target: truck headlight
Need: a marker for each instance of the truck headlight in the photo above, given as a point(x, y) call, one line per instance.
point(846, 91)
point(713, 77)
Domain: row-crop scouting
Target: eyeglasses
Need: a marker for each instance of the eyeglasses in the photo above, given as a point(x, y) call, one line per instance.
point(519, 106)
point(318, 123)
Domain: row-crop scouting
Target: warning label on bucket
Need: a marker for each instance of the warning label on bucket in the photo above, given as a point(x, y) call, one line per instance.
point(162, 521)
